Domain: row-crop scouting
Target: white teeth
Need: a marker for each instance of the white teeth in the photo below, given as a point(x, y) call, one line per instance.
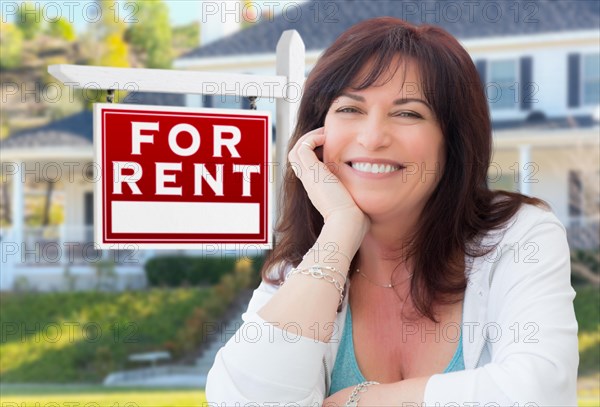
point(374, 168)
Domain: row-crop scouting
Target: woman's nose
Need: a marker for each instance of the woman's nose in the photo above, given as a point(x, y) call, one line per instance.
point(374, 134)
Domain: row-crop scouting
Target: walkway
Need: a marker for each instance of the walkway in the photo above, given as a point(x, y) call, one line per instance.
point(186, 375)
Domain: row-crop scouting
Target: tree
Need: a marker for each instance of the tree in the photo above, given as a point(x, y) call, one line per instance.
point(47, 203)
point(29, 19)
point(151, 35)
point(11, 45)
point(252, 14)
point(186, 37)
point(115, 52)
point(109, 33)
point(106, 38)
point(61, 28)
point(5, 220)
point(110, 21)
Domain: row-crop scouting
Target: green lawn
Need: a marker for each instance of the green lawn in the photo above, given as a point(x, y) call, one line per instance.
point(587, 307)
point(99, 396)
point(81, 395)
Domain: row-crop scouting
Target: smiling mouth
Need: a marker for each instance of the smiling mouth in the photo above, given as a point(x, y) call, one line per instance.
point(374, 168)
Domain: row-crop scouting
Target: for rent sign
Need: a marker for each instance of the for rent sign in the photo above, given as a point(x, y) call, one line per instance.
point(181, 177)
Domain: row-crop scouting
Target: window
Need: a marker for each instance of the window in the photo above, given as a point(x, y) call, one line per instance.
point(584, 209)
point(226, 101)
point(584, 200)
point(575, 194)
point(502, 84)
point(591, 79)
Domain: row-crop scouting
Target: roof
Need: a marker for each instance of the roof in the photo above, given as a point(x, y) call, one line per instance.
point(77, 130)
point(320, 23)
point(542, 123)
point(71, 131)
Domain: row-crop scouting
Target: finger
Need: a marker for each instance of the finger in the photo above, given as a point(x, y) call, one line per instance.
point(312, 139)
point(306, 150)
point(307, 143)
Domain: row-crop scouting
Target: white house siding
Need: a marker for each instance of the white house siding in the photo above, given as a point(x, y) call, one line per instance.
point(549, 71)
point(75, 230)
point(41, 258)
point(550, 181)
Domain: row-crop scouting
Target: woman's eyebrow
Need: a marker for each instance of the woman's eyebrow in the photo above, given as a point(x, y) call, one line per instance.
point(403, 101)
point(400, 101)
point(358, 98)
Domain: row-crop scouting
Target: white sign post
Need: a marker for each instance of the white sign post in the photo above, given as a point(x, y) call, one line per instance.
point(285, 87)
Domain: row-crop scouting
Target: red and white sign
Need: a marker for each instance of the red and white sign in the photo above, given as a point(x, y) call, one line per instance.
point(181, 177)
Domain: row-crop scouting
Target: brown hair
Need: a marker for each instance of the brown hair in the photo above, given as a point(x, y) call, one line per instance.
point(462, 208)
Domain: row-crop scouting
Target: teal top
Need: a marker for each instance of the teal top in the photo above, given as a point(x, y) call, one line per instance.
point(346, 371)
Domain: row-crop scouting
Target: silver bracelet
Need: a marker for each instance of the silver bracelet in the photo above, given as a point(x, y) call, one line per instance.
point(354, 397)
point(316, 271)
point(331, 268)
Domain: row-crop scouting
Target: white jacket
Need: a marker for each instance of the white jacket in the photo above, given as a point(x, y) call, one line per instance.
point(519, 335)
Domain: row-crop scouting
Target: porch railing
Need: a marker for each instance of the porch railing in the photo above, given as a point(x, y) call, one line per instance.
point(72, 245)
point(584, 233)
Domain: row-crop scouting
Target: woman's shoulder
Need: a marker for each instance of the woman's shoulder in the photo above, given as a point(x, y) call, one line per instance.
point(525, 221)
point(529, 216)
point(532, 247)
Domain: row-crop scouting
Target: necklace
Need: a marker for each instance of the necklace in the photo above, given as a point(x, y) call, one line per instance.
point(382, 285)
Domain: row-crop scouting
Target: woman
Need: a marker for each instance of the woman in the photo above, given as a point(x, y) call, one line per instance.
point(400, 277)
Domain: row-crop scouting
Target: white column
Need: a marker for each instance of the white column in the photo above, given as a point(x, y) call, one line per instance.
point(11, 247)
point(524, 158)
point(291, 64)
point(219, 19)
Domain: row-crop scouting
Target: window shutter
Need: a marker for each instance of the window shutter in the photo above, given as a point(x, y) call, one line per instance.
point(481, 66)
point(245, 103)
point(573, 80)
point(525, 87)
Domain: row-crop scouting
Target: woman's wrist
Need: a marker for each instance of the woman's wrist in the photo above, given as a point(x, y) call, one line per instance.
point(341, 237)
point(352, 219)
point(352, 213)
point(355, 395)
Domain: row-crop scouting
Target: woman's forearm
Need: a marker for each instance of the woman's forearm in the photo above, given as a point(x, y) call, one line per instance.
point(405, 393)
point(307, 305)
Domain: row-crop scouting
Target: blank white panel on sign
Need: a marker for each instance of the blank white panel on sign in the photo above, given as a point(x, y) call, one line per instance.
point(185, 217)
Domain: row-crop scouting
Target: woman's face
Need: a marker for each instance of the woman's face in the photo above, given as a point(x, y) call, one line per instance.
point(385, 144)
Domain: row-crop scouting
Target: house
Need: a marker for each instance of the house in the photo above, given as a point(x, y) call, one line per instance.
point(540, 62)
point(56, 257)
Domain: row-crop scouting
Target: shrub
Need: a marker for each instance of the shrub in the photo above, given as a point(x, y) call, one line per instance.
point(585, 266)
point(119, 324)
point(177, 271)
point(98, 330)
point(587, 309)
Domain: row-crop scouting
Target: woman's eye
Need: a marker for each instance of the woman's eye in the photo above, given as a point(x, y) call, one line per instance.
point(347, 110)
point(412, 115)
